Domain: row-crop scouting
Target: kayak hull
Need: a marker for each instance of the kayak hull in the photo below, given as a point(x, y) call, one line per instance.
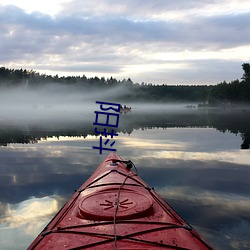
point(116, 209)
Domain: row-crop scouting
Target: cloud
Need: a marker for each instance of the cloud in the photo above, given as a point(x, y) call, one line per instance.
point(97, 39)
point(143, 10)
point(44, 31)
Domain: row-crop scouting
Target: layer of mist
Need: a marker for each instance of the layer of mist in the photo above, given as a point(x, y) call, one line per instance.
point(61, 102)
point(53, 102)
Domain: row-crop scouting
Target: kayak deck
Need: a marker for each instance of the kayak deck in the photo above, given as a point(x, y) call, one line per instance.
point(116, 209)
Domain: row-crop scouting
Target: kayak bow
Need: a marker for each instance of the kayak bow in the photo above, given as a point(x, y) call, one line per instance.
point(116, 209)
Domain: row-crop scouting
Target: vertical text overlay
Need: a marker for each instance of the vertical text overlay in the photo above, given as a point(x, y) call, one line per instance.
point(106, 118)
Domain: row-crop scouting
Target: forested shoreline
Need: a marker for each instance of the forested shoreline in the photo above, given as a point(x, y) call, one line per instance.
point(234, 92)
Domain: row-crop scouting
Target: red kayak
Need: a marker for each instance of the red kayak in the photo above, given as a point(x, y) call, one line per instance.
point(116, 209)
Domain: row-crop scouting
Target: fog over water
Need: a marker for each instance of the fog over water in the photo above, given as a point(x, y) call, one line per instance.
point(192, 157)
point(51, 102)
point(58, 102)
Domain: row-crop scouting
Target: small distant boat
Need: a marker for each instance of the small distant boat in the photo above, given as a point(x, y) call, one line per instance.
point(125, 109)
point(116, 209)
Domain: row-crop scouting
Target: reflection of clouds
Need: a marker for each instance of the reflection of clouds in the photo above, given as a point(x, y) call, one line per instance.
point(36, 169)
point(222, 219)
point(185, 139)
point(203, 144)
point(64, 157)
point(226, 240)
point(29, 212)
point(204, 179)
point(151, 144)
point(22, 222)
point(142, 145)
point(228, 203)
point(147, 149)
point(234, 156)
point(2, 209)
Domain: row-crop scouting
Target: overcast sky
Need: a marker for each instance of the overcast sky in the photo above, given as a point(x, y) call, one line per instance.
point(154, 41)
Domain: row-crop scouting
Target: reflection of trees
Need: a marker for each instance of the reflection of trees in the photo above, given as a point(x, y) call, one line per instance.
point(233, 121)
point(246, 141)
point(236, 122)
point(16, 137)
point(32, 134)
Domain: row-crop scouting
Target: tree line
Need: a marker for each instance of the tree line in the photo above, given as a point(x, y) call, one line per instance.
point(236, 91)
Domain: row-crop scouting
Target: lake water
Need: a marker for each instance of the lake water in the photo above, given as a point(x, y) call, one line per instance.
point(197, 160)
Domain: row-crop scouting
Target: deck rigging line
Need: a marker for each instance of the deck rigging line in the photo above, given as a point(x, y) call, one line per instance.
point(130, 174)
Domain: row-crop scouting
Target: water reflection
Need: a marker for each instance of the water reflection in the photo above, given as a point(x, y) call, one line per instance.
point(20, 222)
point(29, 211)
point(31, 131)
point(193, 161)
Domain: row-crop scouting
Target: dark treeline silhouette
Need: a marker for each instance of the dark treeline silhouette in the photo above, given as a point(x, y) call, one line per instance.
point(236, 91)
point(233, 121)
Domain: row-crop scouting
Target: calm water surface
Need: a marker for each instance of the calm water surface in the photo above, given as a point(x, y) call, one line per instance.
point(193, 158)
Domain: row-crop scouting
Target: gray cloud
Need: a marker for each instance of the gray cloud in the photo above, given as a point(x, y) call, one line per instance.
point(116, 29)
point(224, 31)
point(132, 8)
point(107, 40)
